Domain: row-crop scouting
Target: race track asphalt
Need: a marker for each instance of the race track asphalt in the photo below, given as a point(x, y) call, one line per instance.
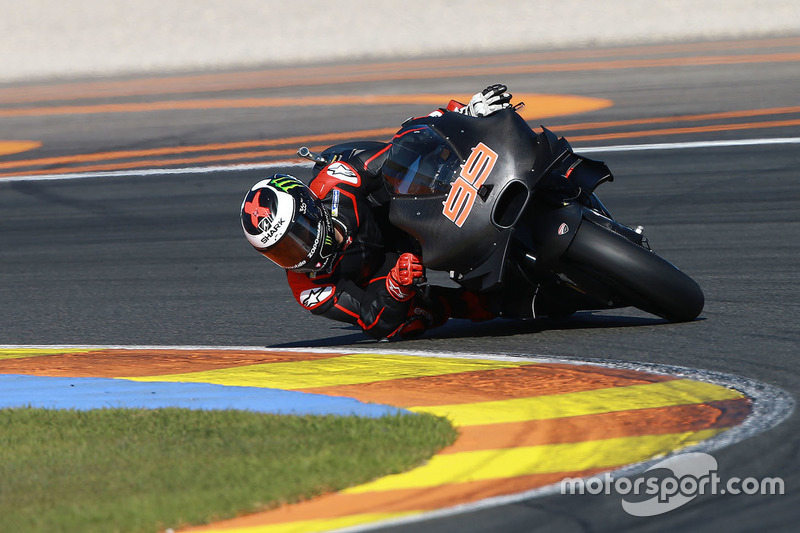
point(140, 258)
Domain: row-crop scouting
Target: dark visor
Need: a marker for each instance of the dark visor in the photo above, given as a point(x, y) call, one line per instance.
point(296, 245)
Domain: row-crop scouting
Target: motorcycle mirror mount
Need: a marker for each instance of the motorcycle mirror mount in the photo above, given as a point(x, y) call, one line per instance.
point(305, 153)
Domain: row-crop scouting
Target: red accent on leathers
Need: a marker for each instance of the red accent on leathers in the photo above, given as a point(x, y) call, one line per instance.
point(455, 106)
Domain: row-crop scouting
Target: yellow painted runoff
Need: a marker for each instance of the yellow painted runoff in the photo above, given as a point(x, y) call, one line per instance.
point(345, 370)
point(650, 395)
point(544, 459)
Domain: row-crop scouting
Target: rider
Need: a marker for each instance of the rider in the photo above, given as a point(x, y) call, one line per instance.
point(344, 260)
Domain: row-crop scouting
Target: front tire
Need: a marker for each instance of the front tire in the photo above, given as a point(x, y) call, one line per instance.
point(639, 276)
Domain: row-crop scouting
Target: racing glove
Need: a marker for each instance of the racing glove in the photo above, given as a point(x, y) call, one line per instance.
point(491, 99)
point(404, 276)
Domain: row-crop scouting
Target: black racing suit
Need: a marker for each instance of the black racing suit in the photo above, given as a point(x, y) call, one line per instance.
point(354, 291)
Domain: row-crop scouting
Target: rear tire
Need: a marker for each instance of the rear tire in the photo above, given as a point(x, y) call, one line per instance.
point(642, 278)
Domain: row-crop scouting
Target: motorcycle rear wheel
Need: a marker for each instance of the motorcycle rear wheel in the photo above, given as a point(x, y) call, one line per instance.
point(639, 276)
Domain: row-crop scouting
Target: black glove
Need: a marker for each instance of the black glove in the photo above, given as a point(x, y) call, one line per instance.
point(491, 99)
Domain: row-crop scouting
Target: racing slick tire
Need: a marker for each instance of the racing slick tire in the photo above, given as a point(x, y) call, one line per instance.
point(638, 275)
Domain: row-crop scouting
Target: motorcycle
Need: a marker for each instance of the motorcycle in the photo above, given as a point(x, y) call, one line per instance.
point(512, 214)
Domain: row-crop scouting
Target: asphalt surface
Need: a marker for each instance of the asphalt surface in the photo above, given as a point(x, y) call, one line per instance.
point(159, 259)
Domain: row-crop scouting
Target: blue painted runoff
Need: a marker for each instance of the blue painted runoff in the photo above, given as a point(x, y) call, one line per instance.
point(99, 393)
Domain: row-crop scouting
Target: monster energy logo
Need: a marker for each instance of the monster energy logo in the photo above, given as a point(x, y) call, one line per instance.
point(285, 183)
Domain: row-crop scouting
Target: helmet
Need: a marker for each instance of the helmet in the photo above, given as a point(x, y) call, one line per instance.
point(287, 223)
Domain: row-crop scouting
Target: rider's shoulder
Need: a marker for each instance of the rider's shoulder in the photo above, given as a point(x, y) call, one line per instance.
point(340, 175)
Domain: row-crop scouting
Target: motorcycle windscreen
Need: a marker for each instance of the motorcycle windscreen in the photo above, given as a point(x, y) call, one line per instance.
point(420, 163)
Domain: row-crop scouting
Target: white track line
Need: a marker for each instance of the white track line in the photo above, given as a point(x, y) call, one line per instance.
point(688, 145)
point(294, 163)
point(156, 171)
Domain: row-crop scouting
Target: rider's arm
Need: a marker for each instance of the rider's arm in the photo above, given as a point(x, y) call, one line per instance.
point(373, 308)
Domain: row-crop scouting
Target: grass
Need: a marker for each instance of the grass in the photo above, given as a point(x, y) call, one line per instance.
point(147, 470)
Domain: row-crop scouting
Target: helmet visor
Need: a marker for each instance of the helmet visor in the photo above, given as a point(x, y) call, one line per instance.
point(300, 241)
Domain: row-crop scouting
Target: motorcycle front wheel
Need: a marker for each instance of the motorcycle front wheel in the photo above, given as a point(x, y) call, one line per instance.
point(640, 277)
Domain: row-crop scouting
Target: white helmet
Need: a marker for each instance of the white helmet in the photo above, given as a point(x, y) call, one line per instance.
point(284, 220)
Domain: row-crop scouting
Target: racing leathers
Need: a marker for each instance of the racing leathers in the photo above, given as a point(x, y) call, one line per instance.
point(374, 281)
point(358, 288)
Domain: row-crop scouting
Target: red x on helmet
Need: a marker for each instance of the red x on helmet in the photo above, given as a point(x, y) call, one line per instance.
point(287, 223)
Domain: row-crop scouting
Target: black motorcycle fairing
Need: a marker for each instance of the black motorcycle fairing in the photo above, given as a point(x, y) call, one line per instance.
point(513, 215)
point(357, 152)
point(545, 233)
point(558, 166)
point(449, 177)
